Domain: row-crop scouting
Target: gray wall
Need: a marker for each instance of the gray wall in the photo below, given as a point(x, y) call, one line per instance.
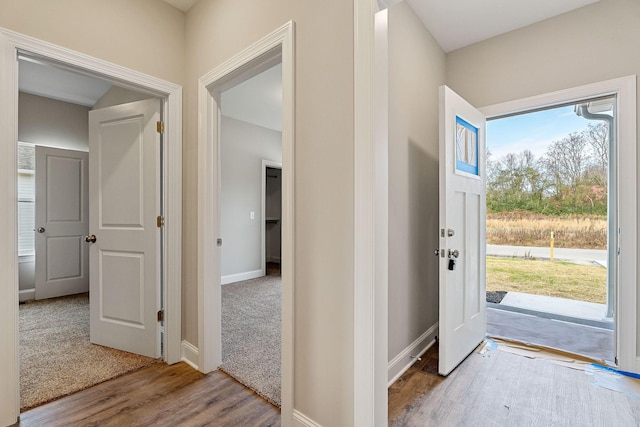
point(45, 121)
point(416, 70)
point(243, 147)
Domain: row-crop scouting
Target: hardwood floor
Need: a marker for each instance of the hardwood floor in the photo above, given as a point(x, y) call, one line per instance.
point(495, 389)
point(159, 395)
point(504, 389)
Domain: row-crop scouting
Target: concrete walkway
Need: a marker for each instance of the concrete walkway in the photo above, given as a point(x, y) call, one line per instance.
point(555, 305)
point(561, 254)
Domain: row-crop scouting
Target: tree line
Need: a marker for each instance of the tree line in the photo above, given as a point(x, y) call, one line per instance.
point(570, 178)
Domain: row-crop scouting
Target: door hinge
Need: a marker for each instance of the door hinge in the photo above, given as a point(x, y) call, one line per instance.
point(160, 127)
point(160, 221)
point(161, 316)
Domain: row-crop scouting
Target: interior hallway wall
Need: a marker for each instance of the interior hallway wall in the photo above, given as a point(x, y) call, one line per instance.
point(416, 70)
point(125, 32)
point(324, 209)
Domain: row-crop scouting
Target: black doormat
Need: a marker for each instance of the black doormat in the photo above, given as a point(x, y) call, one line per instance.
point(495, 296)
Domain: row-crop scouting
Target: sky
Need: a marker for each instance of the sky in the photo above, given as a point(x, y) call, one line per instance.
point(532, 131)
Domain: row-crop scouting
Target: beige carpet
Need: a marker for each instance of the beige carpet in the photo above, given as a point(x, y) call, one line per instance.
point(251, 334)
point(56, 357)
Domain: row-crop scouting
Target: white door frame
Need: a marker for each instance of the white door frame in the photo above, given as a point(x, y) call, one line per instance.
point(275, 47)
point(625, 159)
point(263, 240)
point(10, 44)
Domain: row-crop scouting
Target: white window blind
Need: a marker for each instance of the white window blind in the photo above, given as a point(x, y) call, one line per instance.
point(26, 199)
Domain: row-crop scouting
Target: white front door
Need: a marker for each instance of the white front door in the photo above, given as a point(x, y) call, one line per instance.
point(62, 221)
point(462, 323)
point(124, 180)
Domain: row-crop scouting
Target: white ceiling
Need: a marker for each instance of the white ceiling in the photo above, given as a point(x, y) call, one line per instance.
point(257, 100)
point(460, 23)
point(39, 78)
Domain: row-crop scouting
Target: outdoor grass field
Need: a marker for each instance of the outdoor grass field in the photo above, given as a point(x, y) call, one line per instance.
point(550, 278)
point(530, 229)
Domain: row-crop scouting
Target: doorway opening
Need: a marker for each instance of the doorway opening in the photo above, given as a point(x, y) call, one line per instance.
point(56, 324)
point(250, 215)
point(275, 48)
point(551, 217)
point(272, 214)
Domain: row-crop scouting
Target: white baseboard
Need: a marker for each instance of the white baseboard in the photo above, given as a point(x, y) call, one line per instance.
point(403, 361)
point(301, 420)
point(232, 278)
point(190, 354)
point(26, 294)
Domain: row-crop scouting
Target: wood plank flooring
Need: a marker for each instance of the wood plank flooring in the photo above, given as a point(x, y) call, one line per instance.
point(503, 389)
point(497, 389)
point(159, 395)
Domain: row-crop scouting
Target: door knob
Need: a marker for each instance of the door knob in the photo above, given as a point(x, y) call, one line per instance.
point(453, 253)
point(40, 230)
point(90, 239)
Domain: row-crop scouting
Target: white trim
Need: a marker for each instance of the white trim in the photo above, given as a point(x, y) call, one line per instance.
point(263, 203)
point(189, 354)
point(239, 277)
point(10, 43)
point(626, 336)
point(301, 420)
point(275, 47)
point(380, 98)
point(369, 301)
point(407, 357)
point(26, 294)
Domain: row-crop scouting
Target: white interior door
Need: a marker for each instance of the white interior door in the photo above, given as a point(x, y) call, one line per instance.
point(124, 180)
point(62, 221)
point(462, 230)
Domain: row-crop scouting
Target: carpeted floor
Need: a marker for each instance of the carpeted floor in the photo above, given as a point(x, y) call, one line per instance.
point(251, 334)
point(56, 357)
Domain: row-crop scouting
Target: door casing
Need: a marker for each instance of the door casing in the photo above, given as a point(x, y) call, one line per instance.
point(275, 47)
point(11, 44)
point(625, 268)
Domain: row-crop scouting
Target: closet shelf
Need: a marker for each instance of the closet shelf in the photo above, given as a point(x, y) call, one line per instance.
point(271, 219)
